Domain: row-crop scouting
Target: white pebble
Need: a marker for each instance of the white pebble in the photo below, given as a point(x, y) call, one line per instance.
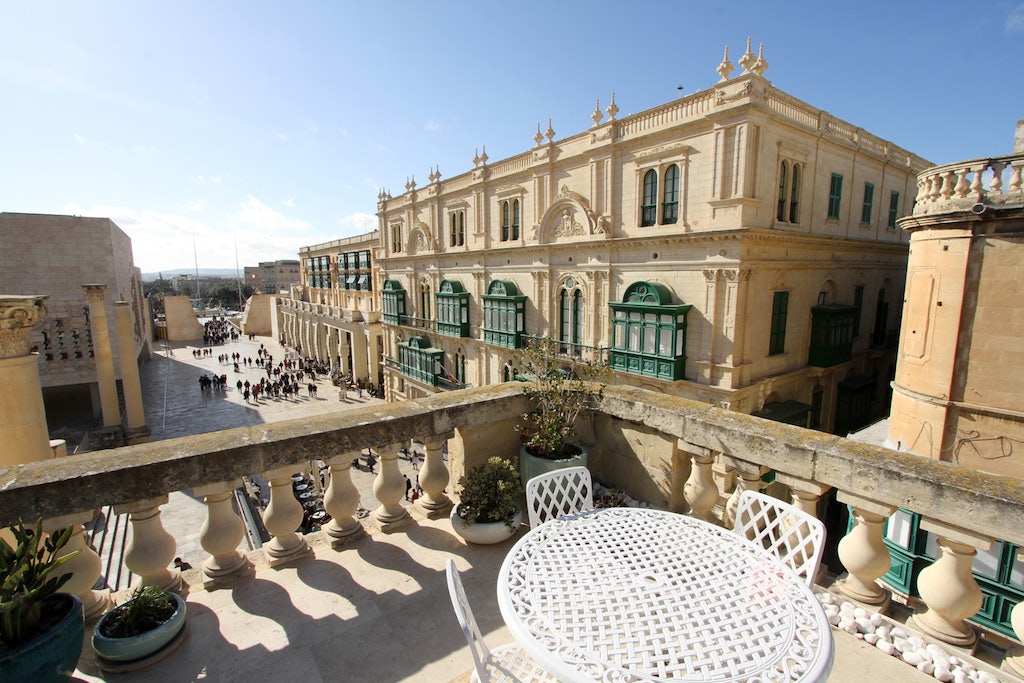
point(870, 638)
point(968, 667)
point(986, 677)
point(861, 613)
point(916, 643)
point(926, 667)
point(899, 633)
point(959, 676)
point(942, 673)
point(883, 632)
point(886, 647)
point(834, 619)
point(900, 643)
point(955, 661)
point(847, 608)
point(877, 619)
point(939, 656)
point(831, 609)
point(827, 598)
point(913, 657)
point(864, 625)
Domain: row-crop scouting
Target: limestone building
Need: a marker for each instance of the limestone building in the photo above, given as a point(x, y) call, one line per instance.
point(331, 314)
point(276, 277)
point(736, 246)
point(55, 256)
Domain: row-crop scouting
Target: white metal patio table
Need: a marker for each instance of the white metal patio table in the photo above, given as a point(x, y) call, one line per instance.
point(628, 594)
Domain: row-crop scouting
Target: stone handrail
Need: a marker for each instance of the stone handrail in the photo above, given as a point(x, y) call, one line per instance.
point(934, 489)
point(960, 186)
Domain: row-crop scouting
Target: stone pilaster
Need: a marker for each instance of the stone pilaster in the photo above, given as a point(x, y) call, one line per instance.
point(95, 295)
point(23, 430)
point(137, 431)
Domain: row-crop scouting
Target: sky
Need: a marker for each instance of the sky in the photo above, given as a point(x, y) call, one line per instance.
point(225, 133)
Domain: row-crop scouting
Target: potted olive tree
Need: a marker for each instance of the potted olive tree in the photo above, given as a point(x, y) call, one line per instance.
point(40, 629)
point(560, 389)
point(141, 630)
point(488, 509)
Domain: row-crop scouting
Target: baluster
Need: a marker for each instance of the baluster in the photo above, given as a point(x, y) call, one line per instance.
point(222, 532)
point(922, 191)
point(85, 567)
point(342, 501)
point(947, 185)
point(934, 183)
point(389, 488)
point(282, 517)
point(862, 551)
point(151, 549)
point(681, 468)
point(748, 479)
point(700, 491)
point(996, 186)
point(947, 586)
point(977, 189)
point(434, 478)
point(1015, 178)
point(961, 183)
point(1014, 660)
point(806, 493)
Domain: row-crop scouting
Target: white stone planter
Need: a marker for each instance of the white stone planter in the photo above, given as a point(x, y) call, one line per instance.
point(485, 533)
point(530, 465)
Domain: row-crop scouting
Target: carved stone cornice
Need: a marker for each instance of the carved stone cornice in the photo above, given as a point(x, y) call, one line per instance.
point(18, 316)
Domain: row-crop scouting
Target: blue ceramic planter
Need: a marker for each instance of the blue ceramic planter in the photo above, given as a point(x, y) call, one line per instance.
point(51, 656)
point(143, 645)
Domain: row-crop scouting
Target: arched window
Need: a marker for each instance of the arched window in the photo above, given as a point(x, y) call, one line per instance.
point(453, 219)
point(457, 228)
point(515, 219)
point(505, 221)
point(462, 228)
point(508, 372)
point(794, 195)
point(425, 298)
point(780, 215)
point(649, 208)
point(670, 203)
point(570, 309)
point(460, 366)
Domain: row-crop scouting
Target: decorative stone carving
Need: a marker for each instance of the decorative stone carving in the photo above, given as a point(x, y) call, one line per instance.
point(568, 225)
point(664, 150)
point(726, 67)
point(18, 315)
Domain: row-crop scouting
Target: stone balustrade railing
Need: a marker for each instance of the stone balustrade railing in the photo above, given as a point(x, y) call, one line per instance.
point(970, 185)
point(966, 509)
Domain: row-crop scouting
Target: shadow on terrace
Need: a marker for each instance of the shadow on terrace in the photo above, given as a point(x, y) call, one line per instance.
point(365, 598)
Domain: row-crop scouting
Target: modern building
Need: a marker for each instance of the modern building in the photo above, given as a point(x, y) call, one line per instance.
point(735, 246)
point(276, 277)
point(331, 314)
point(56, 256)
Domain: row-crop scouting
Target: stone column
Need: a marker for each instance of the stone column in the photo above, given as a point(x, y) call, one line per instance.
point(222, 531)
point(282, 517)
point(947, 586)
point(95, 295)
point(360, 367)
point(151, 549)
point(342, 501)
point(806, 493)
point(863, 552)
point(137, 431)
point(1014, 660)
point(23, 431)
point(389, 489)
point(434, 478)
point(85, 567)
point(700, 490)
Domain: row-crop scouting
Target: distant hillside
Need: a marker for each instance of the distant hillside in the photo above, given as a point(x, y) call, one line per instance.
point(203, 272)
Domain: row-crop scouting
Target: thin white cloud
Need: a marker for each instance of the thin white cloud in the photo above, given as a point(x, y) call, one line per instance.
point(145, 150)
point(85, 142)
point(431, 126)
point(1015, 20)
point(283, 137)
point(311, 127)
point(256, 214)
point(290, 203)
point(358, 223)
point(343, 132)
point(216, 179)
point(196, 206)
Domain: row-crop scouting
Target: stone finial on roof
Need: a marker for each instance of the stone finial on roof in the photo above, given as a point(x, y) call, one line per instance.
point(549, 133)
point(613, 108)
point(748, 58)
point(761, 65)
point(726, 67)
point(597, 115)
point(539, 136)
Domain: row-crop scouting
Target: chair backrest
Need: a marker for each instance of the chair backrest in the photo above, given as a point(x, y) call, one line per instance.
point(557, 493)
point(790, 534)
point(464, 614)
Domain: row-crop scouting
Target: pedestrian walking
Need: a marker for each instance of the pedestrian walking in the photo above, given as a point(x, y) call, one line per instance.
point(408, 486)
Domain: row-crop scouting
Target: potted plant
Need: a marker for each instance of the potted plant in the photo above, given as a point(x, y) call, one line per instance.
point(560, 389)
point(488, 509)
point(40, 629)
point(140, 628)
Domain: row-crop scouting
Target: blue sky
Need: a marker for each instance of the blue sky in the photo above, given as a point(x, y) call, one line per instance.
point(274, 125)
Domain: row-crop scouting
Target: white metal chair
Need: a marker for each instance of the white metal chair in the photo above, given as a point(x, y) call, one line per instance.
point(792, 535)
point(558, 493)
point(505, 663)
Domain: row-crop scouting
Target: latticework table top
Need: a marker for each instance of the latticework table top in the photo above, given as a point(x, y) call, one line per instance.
point(627, 594)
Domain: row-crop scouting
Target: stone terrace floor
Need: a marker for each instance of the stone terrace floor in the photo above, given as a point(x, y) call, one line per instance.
point(374, 610)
